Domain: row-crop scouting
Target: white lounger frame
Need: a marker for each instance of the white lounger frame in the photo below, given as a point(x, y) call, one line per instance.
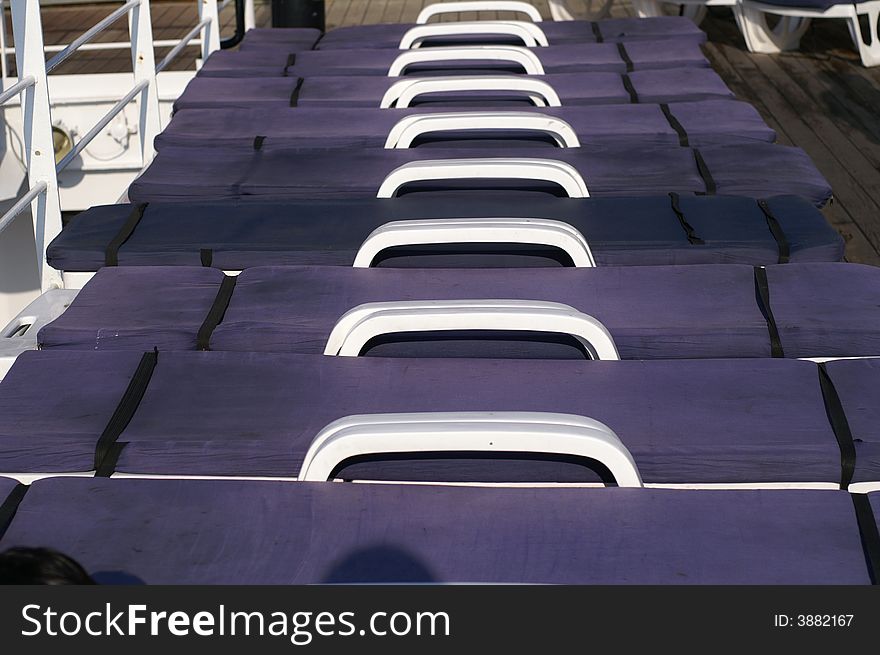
point(534, 231)
point(530, 34)
point(20, 334)
point(513, 54)
point(693, 9)
point(359, 325)
point(498, 168)
point(751, 17)
point(795, 20)
point(513, 6)
point(401, 94)
point(558, 9)
point(410, 128)
point(487, 432)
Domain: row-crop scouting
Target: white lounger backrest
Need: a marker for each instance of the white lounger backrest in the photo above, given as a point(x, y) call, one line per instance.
point(440, 8)
point(484, 432)
point(409, 128)
point(509, 53)
point(556, 172)
point(359, 325)
point(533, 231)
point(529, 34)
point(402, 93)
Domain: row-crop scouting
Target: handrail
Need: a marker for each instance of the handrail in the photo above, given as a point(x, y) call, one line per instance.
point(183, 43)
point(18, 207)
point(33, 84)
point(100, 125)
point(90, 34)
point(30, 61)
point(17, 88)
point(114, 45)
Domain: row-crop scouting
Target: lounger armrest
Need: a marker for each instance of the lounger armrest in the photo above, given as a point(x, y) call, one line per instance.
point(359, 325)
point(410, 128)
point(440, 8)
point(401, 94)
point(20, 334)
point(509, 53)
point(530, 34)
point(496, 168)
point(536, 231)
point(468, 432)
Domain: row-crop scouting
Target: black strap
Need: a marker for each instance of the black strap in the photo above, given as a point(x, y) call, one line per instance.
point(294, 96)
point(687, 227)
point(111, 253)
point(216, 313)
point(10, 506)
point(762, 296)
point(291, 60)
point(624, 55)
point(258, 141)
point(597, 33)
point(777, 232)
point(840, 426)
point(869, 534)
point(630, 89)
point(107, 449)
point(206, 255)
point(675, 125)
point(708, 180)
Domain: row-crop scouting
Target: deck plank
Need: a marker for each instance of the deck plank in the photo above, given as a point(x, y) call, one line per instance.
point(848, 192)
point(803, 113)
point(334, 16)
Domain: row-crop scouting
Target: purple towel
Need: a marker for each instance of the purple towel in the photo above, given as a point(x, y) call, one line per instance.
point(300, 37)
point(696, 123)
point(228, 532)
point(621, 232)
point(611, 30)
point(255, 414)
point(272, 172)
point(822, 309)
point(860, 400)
point(662, 85)
point(280, 60)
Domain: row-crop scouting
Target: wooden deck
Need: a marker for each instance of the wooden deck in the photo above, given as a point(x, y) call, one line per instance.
point(820, 99)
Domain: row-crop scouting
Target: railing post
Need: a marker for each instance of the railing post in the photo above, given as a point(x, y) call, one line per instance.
point(143, 64)
point(37, 121)
point(250, 21)
point(3, 63)
point(211, 32)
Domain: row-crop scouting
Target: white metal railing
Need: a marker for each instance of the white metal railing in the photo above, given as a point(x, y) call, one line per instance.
point(16, 88)
point(183, 43)
point(177, 44)
point(38, 144)
point(33, 70)
point(90, 34)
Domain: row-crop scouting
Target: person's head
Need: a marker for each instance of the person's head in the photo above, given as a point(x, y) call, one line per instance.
point(36, 566)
